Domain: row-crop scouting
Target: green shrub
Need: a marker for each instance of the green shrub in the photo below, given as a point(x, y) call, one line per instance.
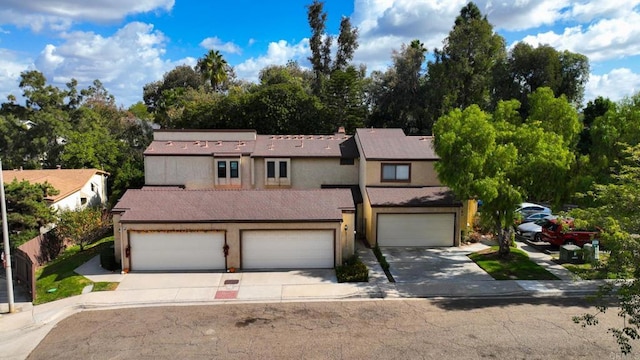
point(108, 259)
point(353, 270)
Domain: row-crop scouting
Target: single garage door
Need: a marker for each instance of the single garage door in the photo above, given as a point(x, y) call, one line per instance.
point(416, 229)
point(287, 249)
point(153, 251)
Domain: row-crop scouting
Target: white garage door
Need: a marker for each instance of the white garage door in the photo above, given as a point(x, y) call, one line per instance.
point(287, 249)
point(416, 229)
point(152, 251)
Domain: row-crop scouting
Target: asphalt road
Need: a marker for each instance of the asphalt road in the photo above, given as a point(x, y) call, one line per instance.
point(381, 329)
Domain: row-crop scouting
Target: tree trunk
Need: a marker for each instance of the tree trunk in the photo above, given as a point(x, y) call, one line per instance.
point(504, 240)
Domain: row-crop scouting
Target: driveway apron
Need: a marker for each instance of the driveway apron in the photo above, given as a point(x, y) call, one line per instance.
point(419, 264)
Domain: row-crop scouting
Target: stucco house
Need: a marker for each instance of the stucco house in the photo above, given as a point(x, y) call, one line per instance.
point(217, 199)
point(78, 188)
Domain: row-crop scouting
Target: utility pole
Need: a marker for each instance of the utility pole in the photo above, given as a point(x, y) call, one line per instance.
point(7, 249)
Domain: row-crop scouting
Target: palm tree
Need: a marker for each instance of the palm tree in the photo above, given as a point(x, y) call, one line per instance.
point(213, 68)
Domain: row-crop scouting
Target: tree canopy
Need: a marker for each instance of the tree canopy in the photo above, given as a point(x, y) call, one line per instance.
point(499, 159)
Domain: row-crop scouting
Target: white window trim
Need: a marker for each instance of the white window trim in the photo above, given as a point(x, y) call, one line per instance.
point(277, 180)
point(227, 180)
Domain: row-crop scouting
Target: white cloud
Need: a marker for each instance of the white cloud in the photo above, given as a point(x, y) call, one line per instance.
point(615, 85)
point(590, 10)
point(123, 62)
point(59, 15)
point(278, 53)
point(11, 65)
point(603, 40)
point(214, 43)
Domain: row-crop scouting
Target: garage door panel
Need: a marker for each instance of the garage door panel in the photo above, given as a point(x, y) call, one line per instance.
point(287, 249)
point(416, 229)
point(174, 251)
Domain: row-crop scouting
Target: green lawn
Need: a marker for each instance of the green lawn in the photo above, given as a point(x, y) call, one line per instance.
point(517, 266)
point(58, 279)
point(588, 271)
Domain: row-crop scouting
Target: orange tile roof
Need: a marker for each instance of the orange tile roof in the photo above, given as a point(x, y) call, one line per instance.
point(67, 181)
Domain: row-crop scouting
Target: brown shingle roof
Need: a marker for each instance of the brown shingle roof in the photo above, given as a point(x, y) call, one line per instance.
point(163, 205)
point(393, 144)
point(204, 148)
point(67, 181)
point(412, 197)
point(305, 146)
point(338, 145)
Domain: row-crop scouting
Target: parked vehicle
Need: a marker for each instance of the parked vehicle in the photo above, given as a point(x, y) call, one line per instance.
point(527, 209)
point(561, 232)
point(534, 217)
point(533, 230)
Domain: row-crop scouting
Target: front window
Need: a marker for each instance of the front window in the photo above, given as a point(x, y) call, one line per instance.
point(222, 169)
point(233, 165)
point(271, 169)
point(277, 172)
point(396, 172)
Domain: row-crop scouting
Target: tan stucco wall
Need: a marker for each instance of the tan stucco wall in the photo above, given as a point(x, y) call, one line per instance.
point(312, 173)
point(343, 241)
point(423, 173)
point(469, 211)
point(194, 172)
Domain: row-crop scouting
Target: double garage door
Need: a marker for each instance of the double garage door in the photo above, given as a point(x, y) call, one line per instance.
point(416, 229)
point(260, 249)
point(173, 251)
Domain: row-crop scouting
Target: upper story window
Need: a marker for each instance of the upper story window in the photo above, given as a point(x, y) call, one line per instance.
point(227, 172)
point(277, 171)
point(396, 172)
point(233, 171)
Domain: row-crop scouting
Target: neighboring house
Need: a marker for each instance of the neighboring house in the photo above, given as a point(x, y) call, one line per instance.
point(78, 188)
point(216, 199)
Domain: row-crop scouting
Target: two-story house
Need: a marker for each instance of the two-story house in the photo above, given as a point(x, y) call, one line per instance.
point(217, 199)
point(404, 202)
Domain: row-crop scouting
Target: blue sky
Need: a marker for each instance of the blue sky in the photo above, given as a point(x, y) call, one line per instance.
point(127, 44)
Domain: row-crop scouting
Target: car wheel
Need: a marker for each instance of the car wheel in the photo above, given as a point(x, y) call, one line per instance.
point(538, 237)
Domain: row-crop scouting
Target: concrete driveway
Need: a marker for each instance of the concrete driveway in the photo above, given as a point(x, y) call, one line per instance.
point(419, 265)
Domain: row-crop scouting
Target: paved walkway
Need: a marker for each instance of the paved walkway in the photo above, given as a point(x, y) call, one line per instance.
point(20, 332)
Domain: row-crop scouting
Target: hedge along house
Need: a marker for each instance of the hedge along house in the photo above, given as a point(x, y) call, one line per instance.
point(174, 229)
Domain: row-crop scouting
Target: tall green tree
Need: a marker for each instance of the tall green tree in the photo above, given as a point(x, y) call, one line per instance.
point(399, 93)
point(615, 210)
point(319, 43)
point(611, 133)
point(214, 69)
point(347, 44)
point(494, 159)
point(461, 73)
point(27, 209)
point(527, 69)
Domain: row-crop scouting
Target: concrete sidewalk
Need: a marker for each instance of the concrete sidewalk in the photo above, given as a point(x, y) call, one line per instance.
point(22, 331)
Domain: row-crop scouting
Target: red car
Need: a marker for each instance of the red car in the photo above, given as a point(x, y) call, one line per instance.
point(561, 232)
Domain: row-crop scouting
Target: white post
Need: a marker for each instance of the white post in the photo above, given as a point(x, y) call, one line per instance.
point(7, 248)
